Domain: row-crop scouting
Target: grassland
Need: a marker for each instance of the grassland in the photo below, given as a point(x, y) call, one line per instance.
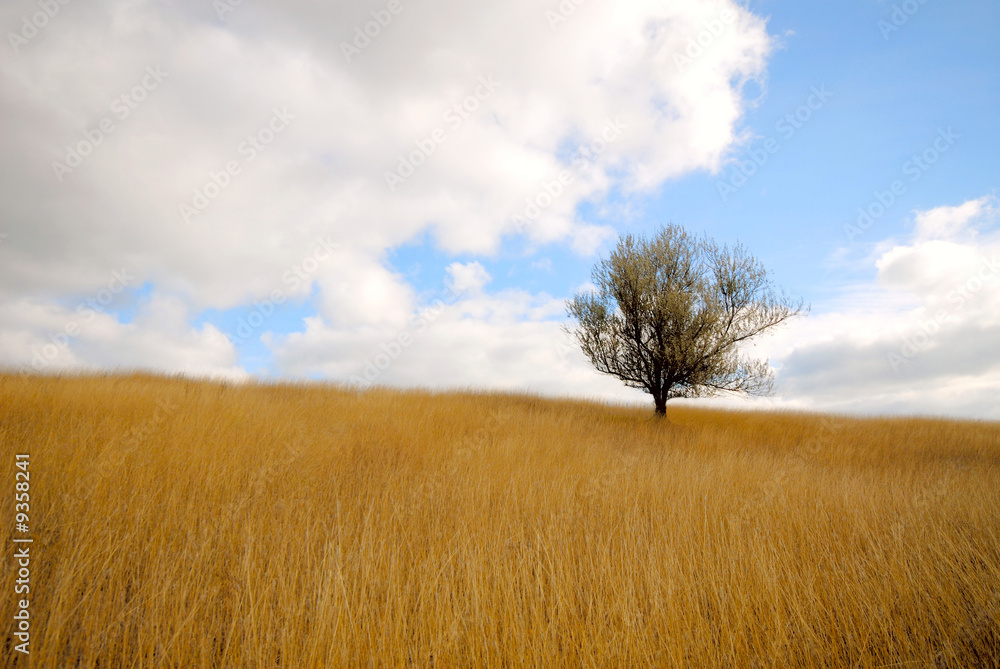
point(193, 524)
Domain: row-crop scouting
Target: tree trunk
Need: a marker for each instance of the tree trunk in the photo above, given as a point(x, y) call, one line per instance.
point(661, 406)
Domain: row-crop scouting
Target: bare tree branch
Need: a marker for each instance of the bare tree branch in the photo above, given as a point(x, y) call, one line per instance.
point(670, 313)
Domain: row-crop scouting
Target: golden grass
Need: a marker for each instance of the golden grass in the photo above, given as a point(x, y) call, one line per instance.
point(192, 524)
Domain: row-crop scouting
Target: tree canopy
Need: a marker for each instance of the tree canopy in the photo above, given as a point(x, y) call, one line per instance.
point(671, 312)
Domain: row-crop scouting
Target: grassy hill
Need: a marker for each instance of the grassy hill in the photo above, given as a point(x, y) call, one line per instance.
point(179, 523)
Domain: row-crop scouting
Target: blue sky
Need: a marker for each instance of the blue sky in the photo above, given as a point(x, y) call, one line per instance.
point(892, 89)
point(831, 105)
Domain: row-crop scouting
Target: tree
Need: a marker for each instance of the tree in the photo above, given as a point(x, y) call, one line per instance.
point(670, 314)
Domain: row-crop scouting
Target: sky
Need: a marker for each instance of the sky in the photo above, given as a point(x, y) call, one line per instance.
point(406, 193)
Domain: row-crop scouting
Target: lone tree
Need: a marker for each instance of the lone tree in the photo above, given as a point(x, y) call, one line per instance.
point(670, 313)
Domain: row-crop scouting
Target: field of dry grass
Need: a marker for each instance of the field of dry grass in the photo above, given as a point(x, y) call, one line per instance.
point(191, 524)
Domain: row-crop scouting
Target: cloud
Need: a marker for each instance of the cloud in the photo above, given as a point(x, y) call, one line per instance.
point(468, 277)
point(49, 338)
point(512, 340)
point(206, 153)
point(943, 223)
point(348, 124)
point(920, 339)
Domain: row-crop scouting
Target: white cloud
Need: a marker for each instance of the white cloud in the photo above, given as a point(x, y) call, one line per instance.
point(512, 340)
point(203, 136)
point(47, 338)
point(468, 276)
point(529, 96)
point(590, 238)
point(359, 291)
point(922, 338)
point(942, 223)
point(324, 174)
